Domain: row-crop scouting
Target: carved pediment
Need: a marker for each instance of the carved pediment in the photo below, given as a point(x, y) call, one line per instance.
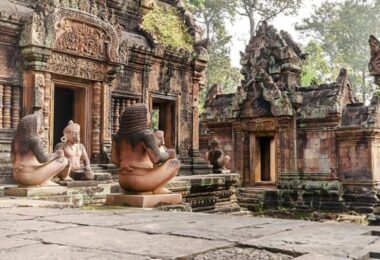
point(82, 39)
point(77, 29)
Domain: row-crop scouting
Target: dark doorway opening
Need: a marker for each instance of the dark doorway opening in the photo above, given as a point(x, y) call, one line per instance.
point(164, 118)
point(265, 152)
point(64, 99)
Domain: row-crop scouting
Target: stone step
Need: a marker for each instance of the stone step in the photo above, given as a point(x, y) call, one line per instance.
point(35, 191)
point(7, 202)
point(72, 201)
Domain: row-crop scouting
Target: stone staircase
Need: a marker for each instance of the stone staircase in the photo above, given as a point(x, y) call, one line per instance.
point(193, 166)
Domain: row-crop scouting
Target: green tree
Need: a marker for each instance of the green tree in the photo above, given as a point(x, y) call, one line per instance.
point(316, 69)
point(343, 29)
point(213, 15)
point(258, 11)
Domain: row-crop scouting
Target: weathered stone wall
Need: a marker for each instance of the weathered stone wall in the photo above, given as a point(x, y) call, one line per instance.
point(317, 151)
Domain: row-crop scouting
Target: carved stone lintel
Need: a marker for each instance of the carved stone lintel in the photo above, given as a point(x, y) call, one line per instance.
point(77, 67)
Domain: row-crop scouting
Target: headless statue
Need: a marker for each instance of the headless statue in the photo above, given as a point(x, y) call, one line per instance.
point(143, 167)
point(75, 152)
point(31, 166)
point(217, 158)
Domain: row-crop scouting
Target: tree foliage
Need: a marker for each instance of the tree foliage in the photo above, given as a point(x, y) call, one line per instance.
point(166, 23)
point(258, 11)
point(213, 15)
point(342, 30)
point(316, 69)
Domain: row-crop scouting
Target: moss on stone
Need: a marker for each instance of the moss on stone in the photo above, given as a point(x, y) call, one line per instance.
point(170, 29)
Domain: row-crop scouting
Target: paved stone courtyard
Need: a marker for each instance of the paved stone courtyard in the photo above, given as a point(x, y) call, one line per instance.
point(48, 233)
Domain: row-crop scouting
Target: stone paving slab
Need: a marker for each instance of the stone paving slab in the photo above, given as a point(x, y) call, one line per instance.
point(9, 243)
point(48, 252)
point(45, 233)
point(18, 202)
point(161, 246)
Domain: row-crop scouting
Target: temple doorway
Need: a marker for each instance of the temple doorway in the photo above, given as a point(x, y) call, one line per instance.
point(63, 111)
point(263, 152)
point(70, 104)
point(164, 118)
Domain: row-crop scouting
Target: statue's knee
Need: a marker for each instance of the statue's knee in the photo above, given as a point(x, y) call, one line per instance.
point(174, 163)
point(64, 161)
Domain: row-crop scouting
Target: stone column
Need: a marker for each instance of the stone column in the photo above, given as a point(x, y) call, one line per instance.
point(96, 118)
point(7, 106)
point(15, 106)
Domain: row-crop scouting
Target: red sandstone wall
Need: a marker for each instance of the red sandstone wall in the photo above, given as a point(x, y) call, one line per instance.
point(317, 151)
point(355, 162)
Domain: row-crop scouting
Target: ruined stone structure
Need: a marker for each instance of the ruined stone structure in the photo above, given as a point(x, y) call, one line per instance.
point(88, 60)
point(312, 147)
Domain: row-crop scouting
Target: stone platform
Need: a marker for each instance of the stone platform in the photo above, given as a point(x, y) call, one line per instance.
point(143, 201)
point(44, 233)
point(35, 191)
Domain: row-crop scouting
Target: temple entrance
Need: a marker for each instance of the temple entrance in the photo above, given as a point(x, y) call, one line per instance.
point(70, 104)
point(63, 111)
point(263, 152)
point(164, 118)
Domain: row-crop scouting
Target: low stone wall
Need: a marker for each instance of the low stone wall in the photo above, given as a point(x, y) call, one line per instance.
point(306, 191)
point(213, 193)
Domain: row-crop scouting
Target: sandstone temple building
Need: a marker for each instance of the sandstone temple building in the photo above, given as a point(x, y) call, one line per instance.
point(88, 60)
point(304, 147)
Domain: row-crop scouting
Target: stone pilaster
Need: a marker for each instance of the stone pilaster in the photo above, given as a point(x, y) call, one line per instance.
point(96, 118)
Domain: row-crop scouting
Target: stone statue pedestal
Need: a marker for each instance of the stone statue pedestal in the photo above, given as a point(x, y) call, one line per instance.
point(143, 200)
point(35, 191)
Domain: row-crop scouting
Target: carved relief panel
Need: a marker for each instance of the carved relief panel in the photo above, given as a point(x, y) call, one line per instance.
point(259, 125)
point(82, 39)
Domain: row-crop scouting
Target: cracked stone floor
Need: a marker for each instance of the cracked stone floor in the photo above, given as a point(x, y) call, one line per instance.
point(47, 233)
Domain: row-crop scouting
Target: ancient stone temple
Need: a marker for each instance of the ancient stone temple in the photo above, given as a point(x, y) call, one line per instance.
point(88, 60)
point(313, 147)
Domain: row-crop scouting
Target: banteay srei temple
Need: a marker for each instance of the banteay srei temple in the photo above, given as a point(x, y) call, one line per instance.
point(80, 81)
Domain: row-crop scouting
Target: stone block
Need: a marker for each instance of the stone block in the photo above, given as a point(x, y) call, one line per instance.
point(143, 201)
point(35, 191)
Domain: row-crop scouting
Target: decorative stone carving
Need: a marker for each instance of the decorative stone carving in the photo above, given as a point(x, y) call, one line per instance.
point(38, 92)
point(124, 52)
point(16, 96)
point(7, 106)
point(82, 40)
point(96, 117)
point(166, 75)
point(34, 30)
point(142, 167)
point(262, 125)
point(31, 166)
point(77, 67)
point(75, 152)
